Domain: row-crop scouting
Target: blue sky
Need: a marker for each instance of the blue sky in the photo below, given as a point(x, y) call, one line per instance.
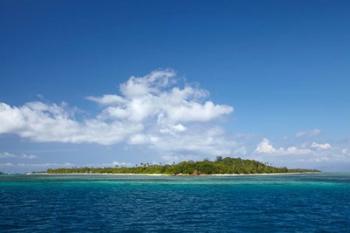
point(276, 73)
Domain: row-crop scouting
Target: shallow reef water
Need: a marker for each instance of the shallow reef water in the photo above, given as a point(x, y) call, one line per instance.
point(111, 203)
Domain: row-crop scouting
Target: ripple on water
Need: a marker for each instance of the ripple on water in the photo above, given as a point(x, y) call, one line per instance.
point(299, 203)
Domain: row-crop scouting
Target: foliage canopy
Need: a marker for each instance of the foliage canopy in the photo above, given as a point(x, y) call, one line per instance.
point(221, 165)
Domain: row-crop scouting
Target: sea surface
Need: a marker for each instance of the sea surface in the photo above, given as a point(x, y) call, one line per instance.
point(284, 203)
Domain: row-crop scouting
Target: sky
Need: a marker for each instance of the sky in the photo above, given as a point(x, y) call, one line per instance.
point(105, 83)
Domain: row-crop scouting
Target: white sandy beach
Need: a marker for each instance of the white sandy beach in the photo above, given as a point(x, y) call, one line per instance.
point(141, 174)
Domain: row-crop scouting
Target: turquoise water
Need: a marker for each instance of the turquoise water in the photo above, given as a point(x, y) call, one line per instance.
point(287, 203)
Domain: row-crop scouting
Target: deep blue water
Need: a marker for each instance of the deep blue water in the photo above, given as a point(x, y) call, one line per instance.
point(293, 203)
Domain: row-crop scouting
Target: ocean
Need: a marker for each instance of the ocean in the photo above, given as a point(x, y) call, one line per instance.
point(73, 203)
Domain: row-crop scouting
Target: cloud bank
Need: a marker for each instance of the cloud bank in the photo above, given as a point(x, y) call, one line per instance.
point(152, 110)
point(176, 120)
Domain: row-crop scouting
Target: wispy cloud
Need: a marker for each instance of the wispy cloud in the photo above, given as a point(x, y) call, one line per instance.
point(320, 146)
point(35, 165)
point(308, 133)
point(6, 155)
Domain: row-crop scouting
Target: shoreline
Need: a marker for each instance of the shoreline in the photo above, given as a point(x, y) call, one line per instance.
point(170, 175)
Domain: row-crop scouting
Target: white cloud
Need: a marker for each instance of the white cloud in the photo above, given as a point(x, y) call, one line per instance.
point(154, 96)
point(6, 155)
point(107, 99)
point(52, 123)
point(152, 84)
point(139, 139)
point(152, 110)
point(44, 165)
point(307, 154)
point(319, 146)
point(265, 147)
point(120, 164)
point(173, 129)
point(26, 156)
point(308, 133)
point(176, 121)
point(205, 141)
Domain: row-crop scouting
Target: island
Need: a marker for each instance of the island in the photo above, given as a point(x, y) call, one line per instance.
point(221, 166)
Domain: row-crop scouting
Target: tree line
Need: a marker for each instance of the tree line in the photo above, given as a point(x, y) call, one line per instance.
point(221, 165)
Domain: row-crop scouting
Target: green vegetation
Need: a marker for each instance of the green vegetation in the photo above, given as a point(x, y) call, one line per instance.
point(219, 166)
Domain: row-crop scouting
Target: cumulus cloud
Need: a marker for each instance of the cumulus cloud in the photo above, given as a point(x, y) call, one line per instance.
point(155, 96)
point(307, 154)
point(320, 146)
point(265, 147)
point(152, 110)
point(53, 123)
